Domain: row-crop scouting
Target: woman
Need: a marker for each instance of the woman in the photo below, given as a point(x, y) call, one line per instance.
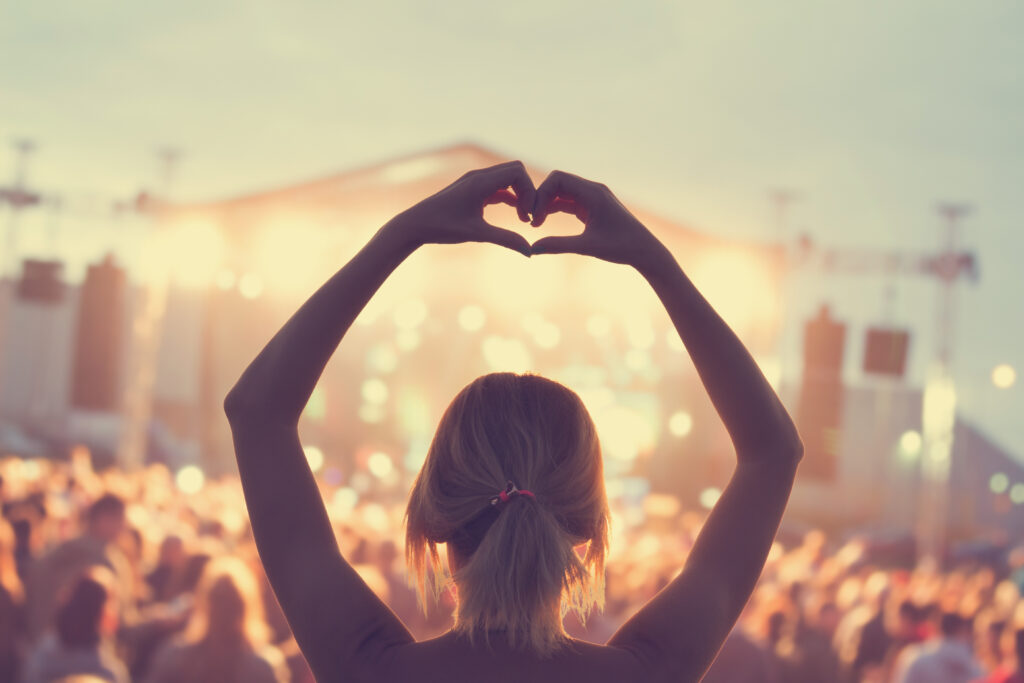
point(513, 481)
point(86, 623)
point(226, 637)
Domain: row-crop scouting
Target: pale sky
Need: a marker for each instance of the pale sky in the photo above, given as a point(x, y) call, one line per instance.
point(872, 111)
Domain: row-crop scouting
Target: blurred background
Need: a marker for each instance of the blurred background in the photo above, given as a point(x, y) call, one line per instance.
point(840, 180)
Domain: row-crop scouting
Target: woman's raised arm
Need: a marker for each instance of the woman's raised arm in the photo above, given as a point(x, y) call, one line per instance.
point(337, 620)
point(686, 623)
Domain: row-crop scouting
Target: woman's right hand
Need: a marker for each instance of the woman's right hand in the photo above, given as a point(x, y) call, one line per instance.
point(610, 232)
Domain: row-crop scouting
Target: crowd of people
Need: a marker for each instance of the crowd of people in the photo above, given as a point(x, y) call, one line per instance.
point(118, 576)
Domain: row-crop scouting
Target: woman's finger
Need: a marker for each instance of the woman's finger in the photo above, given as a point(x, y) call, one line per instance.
point(503, 237)
point(573, 244)
point(561, 185)
point(501, 197)
point(510, 174)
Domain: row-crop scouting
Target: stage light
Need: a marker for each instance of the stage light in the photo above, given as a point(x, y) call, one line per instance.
point(598, 325)
point(379, 464)
point(375, 391)
point(472, 318)
point(410, 314)
point(314, 457)
point(250, 286)
point(1004, 376)
point(680, 423)
point(190, 480)
point(710, 496)
point(190, 252)
point(739, 285)
point(998, 482)
point(289, 255)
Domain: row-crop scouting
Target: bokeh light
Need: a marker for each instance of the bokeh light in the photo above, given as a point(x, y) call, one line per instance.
point(190, 479)
point(999, 482)
point(380, 465)
point(680, 423)
point(1004, 376)
point(1017, 494)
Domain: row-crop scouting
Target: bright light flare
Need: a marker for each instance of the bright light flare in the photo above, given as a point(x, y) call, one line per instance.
point(190, 253)
point(999, 482)
point(740, 286)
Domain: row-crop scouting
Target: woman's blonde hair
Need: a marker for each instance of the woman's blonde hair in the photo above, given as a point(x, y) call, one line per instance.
point(519, 571)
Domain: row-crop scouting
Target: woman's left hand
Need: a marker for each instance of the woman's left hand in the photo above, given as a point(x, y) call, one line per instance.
point(456, 213)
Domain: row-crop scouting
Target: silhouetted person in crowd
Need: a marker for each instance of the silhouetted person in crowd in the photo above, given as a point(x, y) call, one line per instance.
point(170, 563)
point(81, 642)
point(12, 608)
point(945, 658)
point(513, 481)
point(96, 546)
point(226, 640)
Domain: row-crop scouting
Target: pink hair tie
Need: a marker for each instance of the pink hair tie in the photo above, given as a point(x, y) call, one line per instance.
point(510, 490)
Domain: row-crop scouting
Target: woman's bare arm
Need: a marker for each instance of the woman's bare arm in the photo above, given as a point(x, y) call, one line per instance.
point(338, 621)
point(686, 623)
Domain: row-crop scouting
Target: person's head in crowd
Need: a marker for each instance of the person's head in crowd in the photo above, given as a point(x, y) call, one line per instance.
point(514, 563)
point(907, 620)
point(228, 609)
point(955, 626)
point(88, 612)
point(105, 519)
point(825, 617)
point(172, 552)
point(190, 572)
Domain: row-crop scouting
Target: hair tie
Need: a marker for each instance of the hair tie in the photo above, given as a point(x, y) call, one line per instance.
point(510, 490)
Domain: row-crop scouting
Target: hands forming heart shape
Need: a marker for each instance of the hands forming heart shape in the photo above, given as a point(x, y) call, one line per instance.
point(455, 215)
